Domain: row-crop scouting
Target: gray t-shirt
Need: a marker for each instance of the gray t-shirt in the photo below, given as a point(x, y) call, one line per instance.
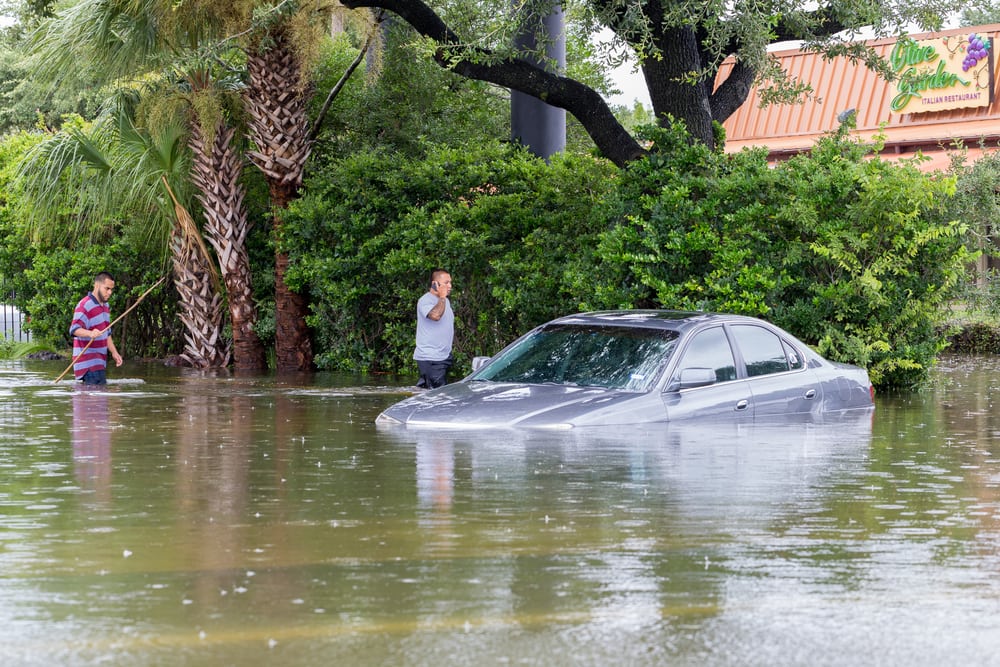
point(434, 339)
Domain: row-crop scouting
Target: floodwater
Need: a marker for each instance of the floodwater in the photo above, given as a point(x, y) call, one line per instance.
point(176, 518)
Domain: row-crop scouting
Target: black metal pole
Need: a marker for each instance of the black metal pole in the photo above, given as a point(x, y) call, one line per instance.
point(533, 123)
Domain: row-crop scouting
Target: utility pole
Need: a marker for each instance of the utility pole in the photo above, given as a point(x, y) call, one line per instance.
point(533, 123)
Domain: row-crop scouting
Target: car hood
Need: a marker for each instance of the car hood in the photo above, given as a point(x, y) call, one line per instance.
point(496, 404)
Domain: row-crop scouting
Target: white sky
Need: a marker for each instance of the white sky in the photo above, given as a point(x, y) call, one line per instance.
point(627, 78)
point(632, 85)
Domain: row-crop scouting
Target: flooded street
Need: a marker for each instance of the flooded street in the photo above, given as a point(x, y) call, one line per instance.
point(175, 518)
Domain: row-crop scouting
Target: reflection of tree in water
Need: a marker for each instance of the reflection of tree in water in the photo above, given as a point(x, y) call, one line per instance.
point(91, 434)
point(933, 468)
point(213, 462)
point(237, 514)
point(436, 492)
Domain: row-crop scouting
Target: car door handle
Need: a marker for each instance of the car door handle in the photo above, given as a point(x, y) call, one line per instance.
point(742, 405)
point(811, 393)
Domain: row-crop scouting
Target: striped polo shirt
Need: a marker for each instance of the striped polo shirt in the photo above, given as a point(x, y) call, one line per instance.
point(90, 314)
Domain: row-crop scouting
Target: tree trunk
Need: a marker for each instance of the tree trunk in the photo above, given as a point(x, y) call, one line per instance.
point(201, 304)
point(216, 173)
point(670, 93)
point(293, 346)
point(279, 127)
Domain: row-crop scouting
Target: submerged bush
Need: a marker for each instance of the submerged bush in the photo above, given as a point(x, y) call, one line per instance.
point(10, 349)
point(843, 249)
point(370, 228)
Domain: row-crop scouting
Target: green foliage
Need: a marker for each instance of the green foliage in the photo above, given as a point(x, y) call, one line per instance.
point(26, 103)
point(977, 202)
point(847, 251)
point(16, 253)
point(853, 254)
point(982, 13)
point(634, 118)
point(405, 101)
point(370, 228)
point(61, 277)
point(403, 104)
point(48, 281)
point(10, 349)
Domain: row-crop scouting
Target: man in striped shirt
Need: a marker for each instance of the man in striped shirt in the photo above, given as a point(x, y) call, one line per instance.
point(92, 334)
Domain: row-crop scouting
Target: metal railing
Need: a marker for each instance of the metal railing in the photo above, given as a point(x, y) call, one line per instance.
point(11, 319)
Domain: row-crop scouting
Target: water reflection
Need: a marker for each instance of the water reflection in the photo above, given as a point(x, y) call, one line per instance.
point(92, 442)
point(643, 524)
point(436, 489)
point(191, 519)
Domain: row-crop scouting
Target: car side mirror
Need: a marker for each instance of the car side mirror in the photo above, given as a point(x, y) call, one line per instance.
point(696, 377)
point(479, 362)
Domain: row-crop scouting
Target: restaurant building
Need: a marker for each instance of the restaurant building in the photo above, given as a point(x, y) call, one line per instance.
point(945, 96)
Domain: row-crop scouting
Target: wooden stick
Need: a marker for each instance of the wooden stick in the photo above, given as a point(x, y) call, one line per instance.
point(130, 308)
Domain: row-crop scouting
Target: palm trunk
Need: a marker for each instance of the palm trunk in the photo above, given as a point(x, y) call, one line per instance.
point(293, 347)
point(216, 174)
point(279, 128)
point(201, 305)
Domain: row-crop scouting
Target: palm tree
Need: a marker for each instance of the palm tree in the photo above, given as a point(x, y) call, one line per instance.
point(126, 38)
point(217, 165)
point(216, 172)
point(276, 100)
point(201, 301)
point(114, 168)
point(130, 40)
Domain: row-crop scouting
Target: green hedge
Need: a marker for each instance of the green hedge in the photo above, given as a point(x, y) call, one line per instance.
point(49, 281)
point(61, 277)
point(370, 228)
point(849, 252)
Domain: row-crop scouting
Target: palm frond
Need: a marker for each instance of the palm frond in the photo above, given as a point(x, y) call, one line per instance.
point(190, 230)
point(106, 37)
point(82, 179)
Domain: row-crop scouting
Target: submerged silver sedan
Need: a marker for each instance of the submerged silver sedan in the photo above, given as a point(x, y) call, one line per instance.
point(641, 366)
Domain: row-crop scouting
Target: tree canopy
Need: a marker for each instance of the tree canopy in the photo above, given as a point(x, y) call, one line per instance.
point(680, 46)
point(985, 11)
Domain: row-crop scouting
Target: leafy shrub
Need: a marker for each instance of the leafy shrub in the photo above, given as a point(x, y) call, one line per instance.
point(10, 349)
point(845, 250)
point(62, 276)
point(370, 228)
point(976, 338)
point(851, 253)
point(977, 202)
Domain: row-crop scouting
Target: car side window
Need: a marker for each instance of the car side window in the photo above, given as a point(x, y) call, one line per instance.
point(763, 351)
point(709, 349)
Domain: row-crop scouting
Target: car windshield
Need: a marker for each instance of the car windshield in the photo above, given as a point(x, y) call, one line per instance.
point(613, 357)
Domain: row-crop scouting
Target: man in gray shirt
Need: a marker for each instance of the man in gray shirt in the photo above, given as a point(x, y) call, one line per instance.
point(435, 332)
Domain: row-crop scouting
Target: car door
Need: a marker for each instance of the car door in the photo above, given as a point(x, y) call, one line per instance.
point(776, 371)
point(720, 394)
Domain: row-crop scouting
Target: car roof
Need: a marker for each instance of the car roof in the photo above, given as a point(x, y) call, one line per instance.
point(672, 320)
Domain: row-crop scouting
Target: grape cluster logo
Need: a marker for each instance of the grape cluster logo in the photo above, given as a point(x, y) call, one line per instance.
point(977, 50)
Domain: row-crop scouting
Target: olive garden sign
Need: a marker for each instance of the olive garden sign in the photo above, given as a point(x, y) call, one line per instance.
point(942, 73)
